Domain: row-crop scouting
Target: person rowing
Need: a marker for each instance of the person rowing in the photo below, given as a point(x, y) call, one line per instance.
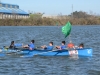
point(50, 47)
point(62, 47)
point(13, 45)
point(81, 46)
point(70, 45)
point(30, 46)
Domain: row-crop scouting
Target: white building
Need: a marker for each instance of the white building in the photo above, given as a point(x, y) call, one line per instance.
point(11, 11)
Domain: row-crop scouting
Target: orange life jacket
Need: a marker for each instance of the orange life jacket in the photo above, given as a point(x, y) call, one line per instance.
point(70, 45)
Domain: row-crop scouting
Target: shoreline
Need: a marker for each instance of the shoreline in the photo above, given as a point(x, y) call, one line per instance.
point(44, 25)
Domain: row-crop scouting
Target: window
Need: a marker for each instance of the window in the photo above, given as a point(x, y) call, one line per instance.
point(8, 5)
point(13, 6)
point(0, 5)
point(17, 7)
point(3, 5)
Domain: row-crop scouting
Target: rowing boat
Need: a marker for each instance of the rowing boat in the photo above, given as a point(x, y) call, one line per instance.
point(30, 53)
point(79, 52)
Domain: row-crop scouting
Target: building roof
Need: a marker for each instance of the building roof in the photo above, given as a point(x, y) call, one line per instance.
point(8, 4)
point(12, 11)
point(6, 8)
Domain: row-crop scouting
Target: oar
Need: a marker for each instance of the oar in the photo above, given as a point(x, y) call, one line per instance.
point(48, 51)
point(45, 52)
point(27, 49)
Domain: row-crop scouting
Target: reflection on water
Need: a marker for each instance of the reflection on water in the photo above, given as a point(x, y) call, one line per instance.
point(39, 65)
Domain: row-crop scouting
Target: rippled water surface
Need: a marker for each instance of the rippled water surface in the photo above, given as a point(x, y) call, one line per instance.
point(40, 65)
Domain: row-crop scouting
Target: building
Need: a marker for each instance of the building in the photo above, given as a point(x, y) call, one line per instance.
point(12, 11)
point(49, 16)
point(55, 16)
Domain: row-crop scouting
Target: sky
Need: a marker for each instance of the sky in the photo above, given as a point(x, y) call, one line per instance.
point(55, 7)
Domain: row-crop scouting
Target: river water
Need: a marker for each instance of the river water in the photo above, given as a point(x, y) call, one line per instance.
point(41, 65)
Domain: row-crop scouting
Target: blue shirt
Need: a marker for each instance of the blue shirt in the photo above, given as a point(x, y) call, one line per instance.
point(17, 45)
point(31, 46)
point(49, 47)
point(63, 47)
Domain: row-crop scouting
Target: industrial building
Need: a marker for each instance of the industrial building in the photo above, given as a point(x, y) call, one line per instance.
point(11, 11)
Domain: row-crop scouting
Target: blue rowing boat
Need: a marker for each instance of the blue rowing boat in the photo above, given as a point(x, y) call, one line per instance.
point(30, 53)
point(80, 52)
point(2, 54)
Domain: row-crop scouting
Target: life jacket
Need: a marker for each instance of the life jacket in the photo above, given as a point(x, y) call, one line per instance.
point(70, 45)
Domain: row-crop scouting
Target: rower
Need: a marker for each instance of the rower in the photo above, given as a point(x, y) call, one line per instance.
point(62, 46)
point(30, 46)
point(13, 45)
point(70, 45)
point(81, 46)
point(50, 47)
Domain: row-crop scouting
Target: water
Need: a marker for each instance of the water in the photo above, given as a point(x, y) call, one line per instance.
point(39, 65)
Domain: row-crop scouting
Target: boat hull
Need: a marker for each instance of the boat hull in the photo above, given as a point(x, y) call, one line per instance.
point(29, 53)
point(80, 52)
